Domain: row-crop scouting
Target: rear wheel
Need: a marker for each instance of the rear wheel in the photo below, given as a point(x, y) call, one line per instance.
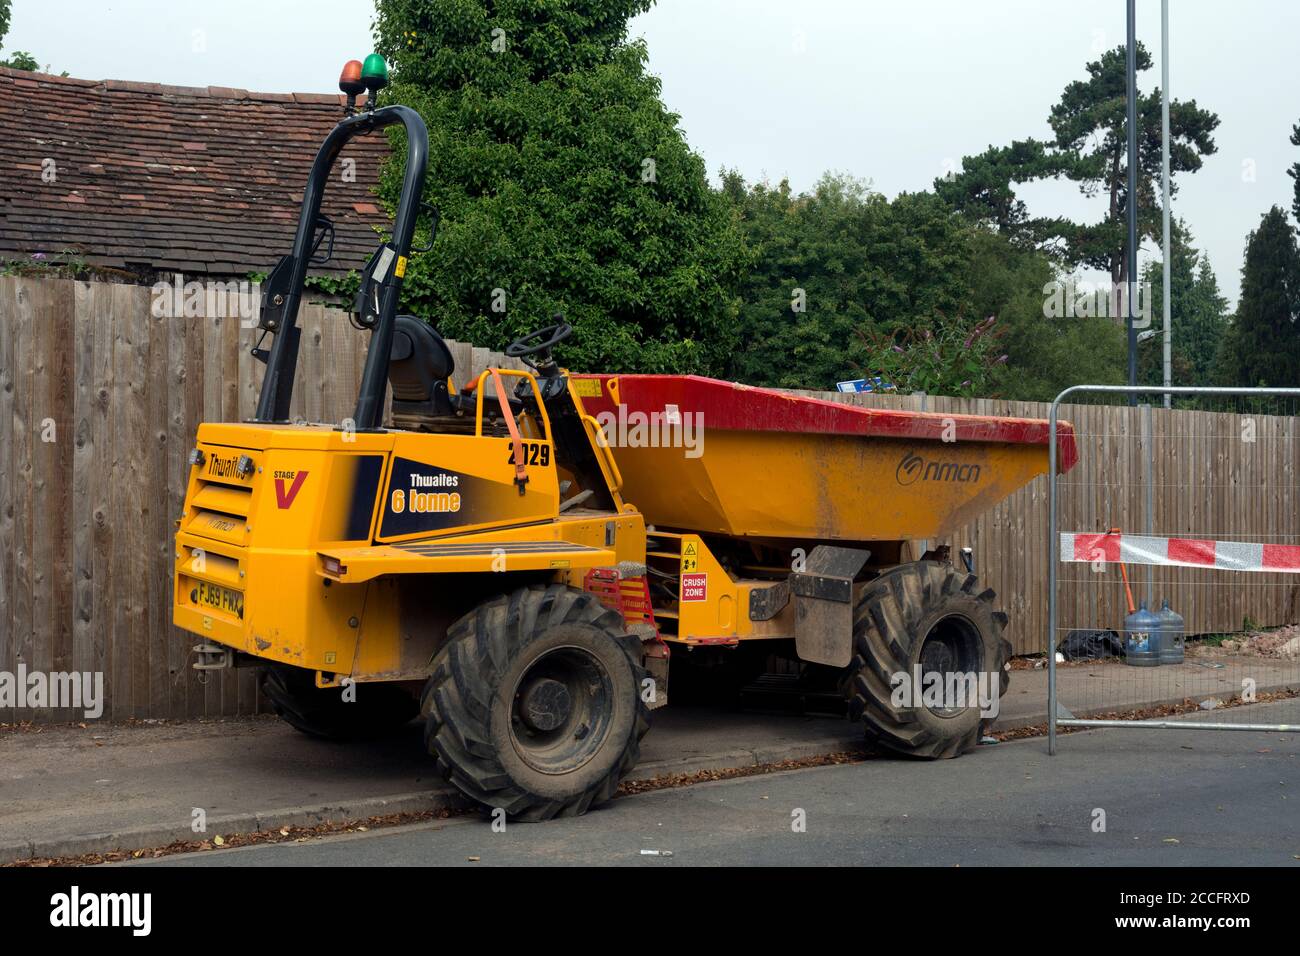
point(535, 704)
point(928, 653)
point(323, 712)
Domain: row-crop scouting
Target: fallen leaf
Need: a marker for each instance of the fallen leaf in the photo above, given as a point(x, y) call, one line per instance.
point(218, 841)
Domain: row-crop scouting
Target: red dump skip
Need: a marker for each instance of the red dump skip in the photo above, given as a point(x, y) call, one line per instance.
point(728, 406)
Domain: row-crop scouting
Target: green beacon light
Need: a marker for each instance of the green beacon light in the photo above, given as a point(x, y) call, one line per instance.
point(374, 73)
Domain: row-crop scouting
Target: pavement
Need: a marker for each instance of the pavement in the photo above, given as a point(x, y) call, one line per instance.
point(69, 790)
point(1109, 798)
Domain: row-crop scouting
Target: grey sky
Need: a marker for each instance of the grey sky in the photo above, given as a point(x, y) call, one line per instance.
point(887, 91)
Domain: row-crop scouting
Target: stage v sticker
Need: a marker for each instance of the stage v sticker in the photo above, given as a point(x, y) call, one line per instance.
point(287, 486)
point(695, 587)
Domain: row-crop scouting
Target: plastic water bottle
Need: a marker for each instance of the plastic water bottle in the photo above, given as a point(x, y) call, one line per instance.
point(1172, 629)
point(1142, 638)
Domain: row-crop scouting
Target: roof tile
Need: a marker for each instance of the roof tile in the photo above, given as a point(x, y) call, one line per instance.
point(205, 179)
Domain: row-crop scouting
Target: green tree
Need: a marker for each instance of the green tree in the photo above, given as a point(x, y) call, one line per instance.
point(829, 264)
point(958, 356)
point(1045, 354)
point(19, 60)
point(984, 189)
point(845, 284)
point(1198, 314)
point(1262, 345)
point(1088, 147)
point(564, 184)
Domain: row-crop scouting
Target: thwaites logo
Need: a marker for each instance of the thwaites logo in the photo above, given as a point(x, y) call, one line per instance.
point(427, 495)
point(422, 497)
point(287, 486)
point(914, 468)
point(219, 467)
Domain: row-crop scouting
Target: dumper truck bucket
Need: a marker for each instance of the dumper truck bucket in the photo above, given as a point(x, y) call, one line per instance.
point(713, 456)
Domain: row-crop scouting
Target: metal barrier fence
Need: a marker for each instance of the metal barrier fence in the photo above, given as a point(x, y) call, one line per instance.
point(1111, 671)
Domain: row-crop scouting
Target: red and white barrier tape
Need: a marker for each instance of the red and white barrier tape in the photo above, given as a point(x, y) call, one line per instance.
point(1180, 552)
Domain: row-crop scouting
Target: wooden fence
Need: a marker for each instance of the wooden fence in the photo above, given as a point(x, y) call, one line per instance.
point(100, 398)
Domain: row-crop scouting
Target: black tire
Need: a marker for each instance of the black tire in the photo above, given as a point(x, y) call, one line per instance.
point(535, 705)
point(322, 712)
point(931, 614)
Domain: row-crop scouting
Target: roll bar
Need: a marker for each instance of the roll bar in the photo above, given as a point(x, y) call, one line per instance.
point(282, 294)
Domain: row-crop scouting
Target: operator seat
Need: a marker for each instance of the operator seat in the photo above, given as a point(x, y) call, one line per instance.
point(419, 366)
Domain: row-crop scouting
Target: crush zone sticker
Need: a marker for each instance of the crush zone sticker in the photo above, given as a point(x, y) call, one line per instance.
point(695, 587)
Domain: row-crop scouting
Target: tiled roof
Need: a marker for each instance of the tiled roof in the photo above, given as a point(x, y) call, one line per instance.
point(151, 177)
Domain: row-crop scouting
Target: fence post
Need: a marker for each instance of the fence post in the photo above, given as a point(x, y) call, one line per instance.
point(1149, 477)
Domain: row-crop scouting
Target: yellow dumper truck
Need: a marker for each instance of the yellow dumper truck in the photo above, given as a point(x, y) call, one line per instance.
point(523, 560)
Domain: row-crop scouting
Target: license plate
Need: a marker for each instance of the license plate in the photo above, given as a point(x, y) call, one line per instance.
point(216, 598)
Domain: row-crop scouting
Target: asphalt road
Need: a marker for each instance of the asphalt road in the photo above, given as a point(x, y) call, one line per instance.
point(1169, 797)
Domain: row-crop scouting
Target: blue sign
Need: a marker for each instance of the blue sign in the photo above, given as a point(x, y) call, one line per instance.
point(866, 385)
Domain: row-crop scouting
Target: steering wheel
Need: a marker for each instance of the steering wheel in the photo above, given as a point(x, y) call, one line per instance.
point(540, 343)
point(543, 340)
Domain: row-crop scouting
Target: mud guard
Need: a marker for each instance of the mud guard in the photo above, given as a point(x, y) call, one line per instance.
point(823, 604)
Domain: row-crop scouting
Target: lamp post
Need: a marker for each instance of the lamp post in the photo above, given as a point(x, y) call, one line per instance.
point(1164, 193)
point(1131, 199)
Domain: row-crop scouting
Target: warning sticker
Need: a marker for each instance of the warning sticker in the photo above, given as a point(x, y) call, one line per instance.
point(695, 587)
point(586, 387)
point(690, 557)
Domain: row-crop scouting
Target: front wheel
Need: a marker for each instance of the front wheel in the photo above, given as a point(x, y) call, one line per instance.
point(535, 705)
point(929, 662)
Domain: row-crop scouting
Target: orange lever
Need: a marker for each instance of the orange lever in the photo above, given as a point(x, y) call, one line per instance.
point(521, 473)
point(1123, 573)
